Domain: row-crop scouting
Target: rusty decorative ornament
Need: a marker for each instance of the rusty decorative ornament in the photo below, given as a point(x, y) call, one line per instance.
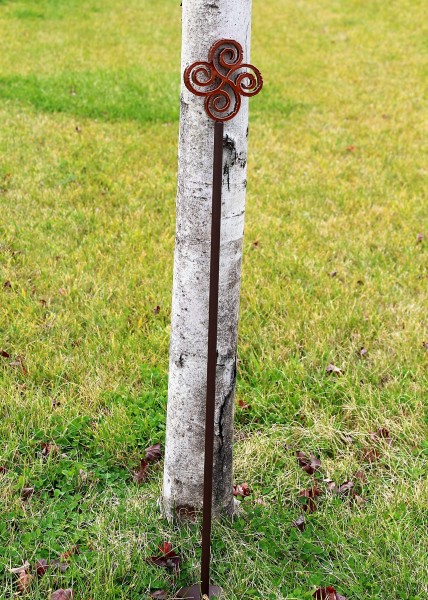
point(223, 80)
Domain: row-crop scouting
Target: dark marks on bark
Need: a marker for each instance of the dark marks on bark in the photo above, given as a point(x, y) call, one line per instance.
point(224, 422)
point(180, 361)
point(231, 157)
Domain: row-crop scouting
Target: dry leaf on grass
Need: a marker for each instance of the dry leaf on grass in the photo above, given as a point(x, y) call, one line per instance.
point(332, 369)
point(241, 490)
point(168, 558)
point(310, 493)
point(27, 492)
point(62, 594)
point(309, 464)
point(24, 582)
point(159, 595)
point(327, 593)
point(41, 566)
point(242, 404)
point(21, 569)
point(153, 454)
point(381, 434)
point(300, 523)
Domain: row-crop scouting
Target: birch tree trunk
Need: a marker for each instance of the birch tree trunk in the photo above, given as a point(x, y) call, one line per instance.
point(204, 22)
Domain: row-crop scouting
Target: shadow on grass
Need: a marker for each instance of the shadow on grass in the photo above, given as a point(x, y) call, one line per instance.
point(122, 96)
point(48, 9)
point(103, 95)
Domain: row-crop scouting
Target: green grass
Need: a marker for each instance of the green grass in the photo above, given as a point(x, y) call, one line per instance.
point(89, 95)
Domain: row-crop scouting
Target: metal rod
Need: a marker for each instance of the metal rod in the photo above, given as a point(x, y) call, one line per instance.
point(212, 356)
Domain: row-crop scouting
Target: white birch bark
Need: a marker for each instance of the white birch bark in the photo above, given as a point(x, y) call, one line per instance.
point(204, 22)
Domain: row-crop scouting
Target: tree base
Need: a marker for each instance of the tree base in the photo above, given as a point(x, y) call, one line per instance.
point(193, 592)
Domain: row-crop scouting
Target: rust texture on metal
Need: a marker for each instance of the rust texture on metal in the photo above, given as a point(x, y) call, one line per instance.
point(223, 79)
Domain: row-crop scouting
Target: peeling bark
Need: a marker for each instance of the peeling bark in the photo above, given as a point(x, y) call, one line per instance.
point(204, 23)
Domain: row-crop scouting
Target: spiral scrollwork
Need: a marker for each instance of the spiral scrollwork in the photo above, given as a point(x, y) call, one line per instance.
point(223, 80)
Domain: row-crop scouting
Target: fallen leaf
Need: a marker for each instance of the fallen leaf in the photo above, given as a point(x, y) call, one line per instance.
point(166, 547)
point(41, 567)
point(69, 553)
point(331, 486)
point(4, 354)
point(327, 593)
point(141, 474)
point(83, 477)
point(345, 488)
point(350, 148)
point(256, 244)
point(27, 492)
point(310, 493)
point(49, 448)
point(57, 564)
point(159, 595)
point(156, 310)
point(300, 523)
point(62, 292)
point(19, 363)
point(309, 464)
point(241, 490)
point(168, 558)
point(242, 404)
point(2, 470)
point(153, 453)
point(20, 569)
point(359, 499)
point(333, 369)
point(381, 434)
point(360, 475)
point(333, 274)
point(62, 594)
point(372, 455)
point(310, 506)
point(419, 238)
point(24, 582)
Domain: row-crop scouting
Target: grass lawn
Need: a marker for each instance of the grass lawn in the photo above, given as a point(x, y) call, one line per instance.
point(336, 260)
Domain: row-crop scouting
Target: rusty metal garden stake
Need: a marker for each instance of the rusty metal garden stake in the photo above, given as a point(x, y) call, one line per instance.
point(222, 81)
